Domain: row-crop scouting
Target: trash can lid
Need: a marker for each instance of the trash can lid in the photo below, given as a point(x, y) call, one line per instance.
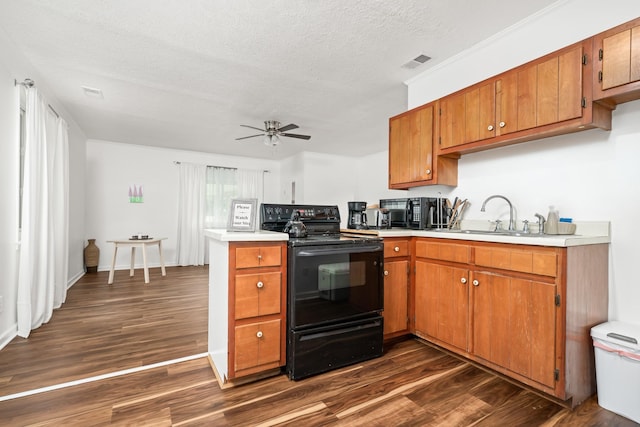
point(619, 333)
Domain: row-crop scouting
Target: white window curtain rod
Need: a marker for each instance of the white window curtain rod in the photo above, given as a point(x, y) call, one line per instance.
point(30, 83)
point(175, 162)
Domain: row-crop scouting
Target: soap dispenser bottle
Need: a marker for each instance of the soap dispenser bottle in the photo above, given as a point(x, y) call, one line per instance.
point(551, 226)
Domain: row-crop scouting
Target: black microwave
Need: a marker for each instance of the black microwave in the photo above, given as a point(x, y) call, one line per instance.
point(419, 213)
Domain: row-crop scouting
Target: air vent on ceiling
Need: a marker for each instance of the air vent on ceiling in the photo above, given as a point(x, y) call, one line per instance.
point(416, 62)
point(92, 92)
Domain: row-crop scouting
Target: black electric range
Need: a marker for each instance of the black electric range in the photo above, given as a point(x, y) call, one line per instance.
point(334, 290)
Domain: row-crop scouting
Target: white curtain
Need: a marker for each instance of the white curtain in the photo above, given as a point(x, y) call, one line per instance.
point(204, 199)
point(191, 214)
point(43, 265)
point(221, 189)
point(250, 184)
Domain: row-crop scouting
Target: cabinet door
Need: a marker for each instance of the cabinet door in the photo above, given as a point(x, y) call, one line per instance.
point(442, 303)
point(257, 344)
point(468, 116)
point(411, 146)
point(396, 275)
point(621, 58)
point(514, 324)
point(257, 294)
point(550, 91)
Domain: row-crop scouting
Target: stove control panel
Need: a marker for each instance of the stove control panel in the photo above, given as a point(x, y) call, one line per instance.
point(271, 213)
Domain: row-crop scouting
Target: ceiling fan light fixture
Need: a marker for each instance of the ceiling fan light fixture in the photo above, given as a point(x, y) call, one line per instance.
point(271, 140)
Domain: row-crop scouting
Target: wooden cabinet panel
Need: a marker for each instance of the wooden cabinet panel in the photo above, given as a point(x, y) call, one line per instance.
point(523, 260)
point(616, 64)
point(570, 84)
point(396, 248)
point(257, 294)
point(257, 306)
point(452, 121)
point(514, 325)
point(396, 295)
point(258, 256)
point(616, 76)
point(527, 96)
point(411, 149)
point(442, 295)
point(257, 344)
point(443, 251)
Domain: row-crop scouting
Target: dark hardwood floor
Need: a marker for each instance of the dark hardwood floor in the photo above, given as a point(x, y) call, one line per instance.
point(105, 328)
point(413, 384)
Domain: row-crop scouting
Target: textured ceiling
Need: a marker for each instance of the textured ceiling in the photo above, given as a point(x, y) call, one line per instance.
point(186, 74)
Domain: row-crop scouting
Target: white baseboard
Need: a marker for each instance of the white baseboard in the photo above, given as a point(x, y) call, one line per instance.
point(8, 335)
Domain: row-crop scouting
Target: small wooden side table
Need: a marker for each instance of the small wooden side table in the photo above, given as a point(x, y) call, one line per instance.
point(137, 243)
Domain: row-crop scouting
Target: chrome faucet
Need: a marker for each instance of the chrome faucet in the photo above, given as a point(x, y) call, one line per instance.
point(511, 210)
point(541, 222)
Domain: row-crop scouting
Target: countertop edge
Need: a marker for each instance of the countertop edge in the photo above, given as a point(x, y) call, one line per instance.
point(245, 236)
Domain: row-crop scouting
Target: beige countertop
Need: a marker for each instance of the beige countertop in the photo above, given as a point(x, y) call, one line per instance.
point(587, 233)
point(245, 236)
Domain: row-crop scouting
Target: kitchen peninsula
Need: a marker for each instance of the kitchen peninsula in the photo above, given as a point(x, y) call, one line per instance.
point(247, 304)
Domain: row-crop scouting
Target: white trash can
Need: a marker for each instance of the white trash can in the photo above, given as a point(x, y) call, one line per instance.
point(617, 350)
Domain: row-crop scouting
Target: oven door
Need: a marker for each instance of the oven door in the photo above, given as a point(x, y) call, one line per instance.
point(333, 283)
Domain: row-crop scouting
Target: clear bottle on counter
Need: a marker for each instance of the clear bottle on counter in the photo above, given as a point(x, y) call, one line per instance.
point(551, 226)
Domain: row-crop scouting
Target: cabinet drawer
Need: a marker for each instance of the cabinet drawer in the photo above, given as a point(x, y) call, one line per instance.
point(522, 260)
point(257, 294)
point(443, 251)
point(258, 256)
point(257, 344)
point(396, 248)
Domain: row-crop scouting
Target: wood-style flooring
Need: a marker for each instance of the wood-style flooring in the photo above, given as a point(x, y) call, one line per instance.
point(413, 384)
point(106, 328)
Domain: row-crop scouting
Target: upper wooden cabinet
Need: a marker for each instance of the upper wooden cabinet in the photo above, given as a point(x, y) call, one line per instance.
point(411, 151)
point(548, 96)
point(617, 64)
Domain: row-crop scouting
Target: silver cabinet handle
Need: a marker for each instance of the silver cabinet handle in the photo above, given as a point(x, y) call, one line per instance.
point(396, 249)
point(490, 127)
point(463, 280)
point(428, 171)
point(476, 283)
point(502, 124)
point(259, 334)
point(386, 273)
point(259, 256)
point(260, 285)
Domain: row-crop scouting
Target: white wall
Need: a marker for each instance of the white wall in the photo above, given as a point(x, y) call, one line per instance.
point(13, 66)
point(592, 175)
point(112, 167)
point(322, 179)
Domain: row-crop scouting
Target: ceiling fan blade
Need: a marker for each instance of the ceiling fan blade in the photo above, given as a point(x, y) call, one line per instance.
point(290, 126)
point(251, 127)
point(250, 136)
point(295, 135)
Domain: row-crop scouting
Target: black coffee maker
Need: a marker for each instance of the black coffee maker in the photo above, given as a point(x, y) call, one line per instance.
point(357, 215)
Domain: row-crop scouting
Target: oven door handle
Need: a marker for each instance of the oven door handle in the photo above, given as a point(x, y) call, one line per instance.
point(337, 250)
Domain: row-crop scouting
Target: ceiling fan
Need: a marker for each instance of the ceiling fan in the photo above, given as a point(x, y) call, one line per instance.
point(273, 131)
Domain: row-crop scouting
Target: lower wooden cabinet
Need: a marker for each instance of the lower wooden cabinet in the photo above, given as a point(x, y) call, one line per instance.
point(257, 307)
point(257, 344)
point(514, 324)
point(442, 303)
point(525, 311)
point(396, 286)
